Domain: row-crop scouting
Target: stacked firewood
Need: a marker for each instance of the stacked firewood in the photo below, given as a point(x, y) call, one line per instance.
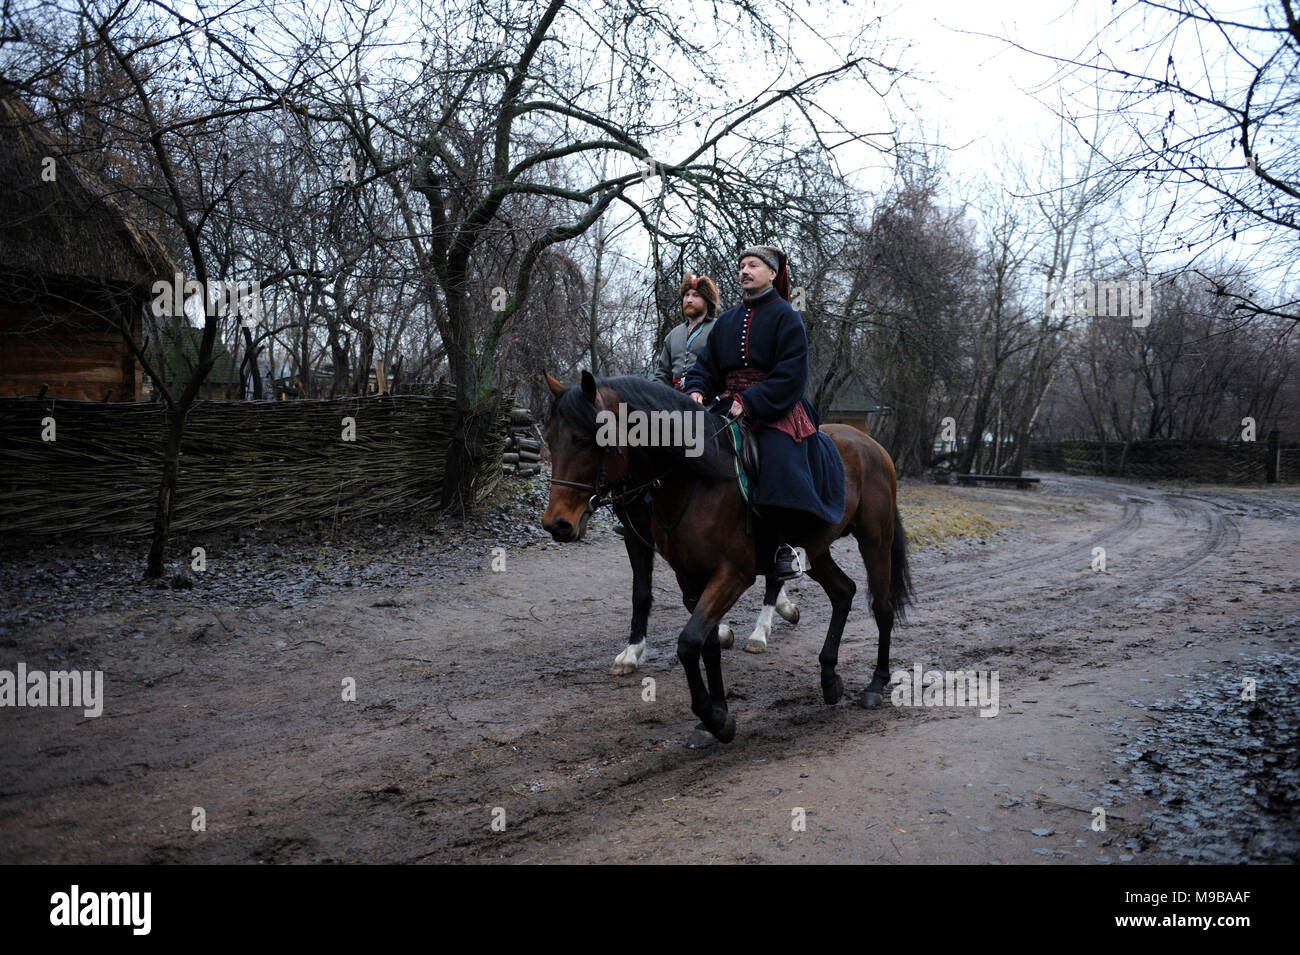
point(523, 454)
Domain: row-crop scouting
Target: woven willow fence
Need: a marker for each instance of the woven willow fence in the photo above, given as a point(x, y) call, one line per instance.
point(1209, 462)
point(242, 463)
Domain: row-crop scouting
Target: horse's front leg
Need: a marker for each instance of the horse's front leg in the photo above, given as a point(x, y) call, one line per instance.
point(699, 638)
point(641, 555)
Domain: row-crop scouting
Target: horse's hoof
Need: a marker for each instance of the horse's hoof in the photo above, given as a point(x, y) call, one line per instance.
point(791, 616)
point(871, 699)
point(755, 645)
point(833, 691)
point(728, 731)
point(700, 738)
point(726, 637)
point(626, 662)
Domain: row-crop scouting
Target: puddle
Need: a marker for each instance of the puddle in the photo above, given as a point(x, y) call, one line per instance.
point(1224, 772)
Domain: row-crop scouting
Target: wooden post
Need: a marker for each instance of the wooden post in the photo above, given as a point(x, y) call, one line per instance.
point(381, 385)
point(1273, 463)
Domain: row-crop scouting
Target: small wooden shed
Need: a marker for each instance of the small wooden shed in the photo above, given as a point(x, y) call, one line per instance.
point(855, 405)
point(73, 270)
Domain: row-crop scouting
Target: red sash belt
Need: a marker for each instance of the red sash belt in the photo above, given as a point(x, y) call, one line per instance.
point(796, 423)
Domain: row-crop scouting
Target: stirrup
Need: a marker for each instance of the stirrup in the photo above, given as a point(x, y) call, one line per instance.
point(790, 562)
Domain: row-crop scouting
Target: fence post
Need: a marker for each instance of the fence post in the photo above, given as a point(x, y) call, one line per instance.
point(1273, 463)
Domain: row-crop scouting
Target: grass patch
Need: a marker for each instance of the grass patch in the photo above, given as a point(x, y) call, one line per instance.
point(934, 516)
point(937, 515)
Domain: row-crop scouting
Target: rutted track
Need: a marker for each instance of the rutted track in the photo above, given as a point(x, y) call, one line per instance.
point(493, 693)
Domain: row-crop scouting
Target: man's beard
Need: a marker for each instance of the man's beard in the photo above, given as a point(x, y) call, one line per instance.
point(692, 310)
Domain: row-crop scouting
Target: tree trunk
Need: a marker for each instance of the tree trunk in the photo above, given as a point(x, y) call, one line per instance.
point(365, 360)
point(250, 355)
point(465, 456)
point(976, 440)
point(1021, 434)
point(342, 383)
point(162, 518)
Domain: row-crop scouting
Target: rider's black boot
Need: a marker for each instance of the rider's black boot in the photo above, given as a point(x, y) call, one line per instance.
point(790, 562)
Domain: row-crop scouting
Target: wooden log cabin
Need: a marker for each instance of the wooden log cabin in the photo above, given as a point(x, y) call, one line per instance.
point(73, 270)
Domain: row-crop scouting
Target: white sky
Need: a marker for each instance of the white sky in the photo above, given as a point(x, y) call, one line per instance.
point(984, 101)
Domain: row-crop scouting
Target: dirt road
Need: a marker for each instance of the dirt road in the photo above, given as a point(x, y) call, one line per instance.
point(486, 697)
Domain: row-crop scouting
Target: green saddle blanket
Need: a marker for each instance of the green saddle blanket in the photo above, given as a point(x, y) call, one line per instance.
point(738, 435)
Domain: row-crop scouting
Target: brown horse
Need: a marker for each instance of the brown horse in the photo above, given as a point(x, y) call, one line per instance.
point(700, 525)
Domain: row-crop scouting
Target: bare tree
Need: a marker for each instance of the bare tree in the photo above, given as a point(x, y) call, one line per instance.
point(1212, 104)
point(492, 121)
point(917, 260)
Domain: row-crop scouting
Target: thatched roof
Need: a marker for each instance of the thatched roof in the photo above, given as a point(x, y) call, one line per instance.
point(69, 228)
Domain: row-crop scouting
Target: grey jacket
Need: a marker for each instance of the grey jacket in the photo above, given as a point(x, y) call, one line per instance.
point(675, 358)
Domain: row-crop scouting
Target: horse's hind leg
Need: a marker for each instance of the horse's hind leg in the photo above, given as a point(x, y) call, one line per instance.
point(641, 555)
point(786, 608)
point(840, 588)
point(774, 599)
point(877, 558)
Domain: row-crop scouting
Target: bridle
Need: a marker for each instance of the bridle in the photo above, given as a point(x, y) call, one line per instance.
point(610, 495)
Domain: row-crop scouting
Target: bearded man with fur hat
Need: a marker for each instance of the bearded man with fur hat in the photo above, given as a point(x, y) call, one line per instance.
point(757, 356)
point(699, 298)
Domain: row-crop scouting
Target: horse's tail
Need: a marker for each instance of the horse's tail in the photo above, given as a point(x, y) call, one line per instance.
point(900, 575)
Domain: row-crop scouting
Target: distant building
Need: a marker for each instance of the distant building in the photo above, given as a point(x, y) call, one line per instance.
point(174, 357)
point(73, 271)
point(855, 405)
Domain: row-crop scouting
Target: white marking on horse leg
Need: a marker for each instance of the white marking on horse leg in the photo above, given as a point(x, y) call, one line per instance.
point(726, 636)
point(757, 642)
point(786, 608)
point(627, 661)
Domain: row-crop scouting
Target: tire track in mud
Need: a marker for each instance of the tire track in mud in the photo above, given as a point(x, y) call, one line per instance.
point(962, 578)
point(1104, 599)
point(642, 771)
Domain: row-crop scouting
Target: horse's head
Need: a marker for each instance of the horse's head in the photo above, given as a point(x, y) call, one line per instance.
point(581, 469)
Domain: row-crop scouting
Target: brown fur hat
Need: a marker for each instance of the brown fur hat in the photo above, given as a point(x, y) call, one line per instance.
point(706, 289)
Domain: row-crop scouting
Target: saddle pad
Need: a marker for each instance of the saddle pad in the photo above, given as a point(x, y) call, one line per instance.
point(746, 457)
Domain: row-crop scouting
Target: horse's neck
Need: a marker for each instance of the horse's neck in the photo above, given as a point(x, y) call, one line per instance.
point(643, 467)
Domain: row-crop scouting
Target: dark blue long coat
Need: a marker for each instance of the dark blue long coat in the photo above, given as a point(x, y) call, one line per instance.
point(769, 334)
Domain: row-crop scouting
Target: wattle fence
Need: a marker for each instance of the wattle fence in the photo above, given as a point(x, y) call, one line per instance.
point(242, 463)
point(1208, 462)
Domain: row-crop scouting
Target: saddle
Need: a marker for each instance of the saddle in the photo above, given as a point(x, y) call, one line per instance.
point(748, 449)
point(745, 447)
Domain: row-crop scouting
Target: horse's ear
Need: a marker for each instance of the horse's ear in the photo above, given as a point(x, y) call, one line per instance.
point(589, 386)
point(552, 384)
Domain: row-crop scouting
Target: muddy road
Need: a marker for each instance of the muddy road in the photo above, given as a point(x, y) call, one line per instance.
point(485, 697)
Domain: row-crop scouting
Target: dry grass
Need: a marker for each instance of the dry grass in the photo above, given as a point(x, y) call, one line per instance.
point(936, 515)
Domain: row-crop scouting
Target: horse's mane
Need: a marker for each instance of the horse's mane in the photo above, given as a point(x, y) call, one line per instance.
point(642, 394)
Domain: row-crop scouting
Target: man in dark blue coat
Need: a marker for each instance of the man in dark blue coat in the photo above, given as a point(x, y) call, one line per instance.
point(757, 354)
